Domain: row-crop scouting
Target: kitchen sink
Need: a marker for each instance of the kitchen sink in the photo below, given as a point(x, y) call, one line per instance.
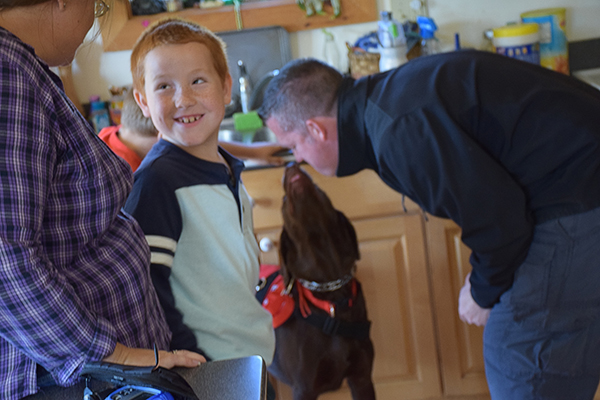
point(228, 133)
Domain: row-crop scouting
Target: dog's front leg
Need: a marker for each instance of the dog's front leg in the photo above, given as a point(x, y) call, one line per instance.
point(300, 393)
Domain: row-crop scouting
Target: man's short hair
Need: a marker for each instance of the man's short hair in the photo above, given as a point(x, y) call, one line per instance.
point(175, 31)
point(303, 89)
point(133, 119)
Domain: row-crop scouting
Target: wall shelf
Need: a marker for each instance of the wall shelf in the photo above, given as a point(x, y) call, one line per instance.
point(120, 29)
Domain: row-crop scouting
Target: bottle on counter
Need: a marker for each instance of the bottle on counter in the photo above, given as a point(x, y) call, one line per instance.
point(174, 5)
point(98, 114)
point(245, 87)
point(427, 28)
point(389, 31)
point(392, 42)
point(331, 54)
point(488, 41)
point(116, 103)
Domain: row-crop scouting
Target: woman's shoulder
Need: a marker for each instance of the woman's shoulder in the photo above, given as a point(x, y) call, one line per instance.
point(19, 59)
point(25, 75)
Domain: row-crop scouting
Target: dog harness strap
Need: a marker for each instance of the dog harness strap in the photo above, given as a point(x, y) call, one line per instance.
point(264, 285)
point(305, 296)
point(271, 295)
point(334, 326)
point(331, 326)
point(302, 304)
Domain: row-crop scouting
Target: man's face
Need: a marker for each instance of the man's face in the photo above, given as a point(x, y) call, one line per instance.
point(184, 94)
point(319, 152)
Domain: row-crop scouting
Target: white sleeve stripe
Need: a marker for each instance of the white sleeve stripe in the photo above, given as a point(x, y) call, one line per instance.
point(162, 242)
point(162, 259)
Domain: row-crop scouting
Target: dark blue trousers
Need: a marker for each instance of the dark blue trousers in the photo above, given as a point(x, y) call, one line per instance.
point(542, 340)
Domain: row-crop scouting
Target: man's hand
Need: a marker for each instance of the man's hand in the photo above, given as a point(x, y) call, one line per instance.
point(469, 311)
point(142, 357)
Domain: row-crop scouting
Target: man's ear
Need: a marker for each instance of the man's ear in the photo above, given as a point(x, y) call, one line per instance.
point(322, 128)
point(316, 129)
point(140, 99)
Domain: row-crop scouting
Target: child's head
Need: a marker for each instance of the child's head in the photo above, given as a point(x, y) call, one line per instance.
point(182, 82)
point(175, 31)
point(133, 119)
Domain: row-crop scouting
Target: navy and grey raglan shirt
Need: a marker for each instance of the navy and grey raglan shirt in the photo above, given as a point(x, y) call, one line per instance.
point(197, 219)
point(497, 145)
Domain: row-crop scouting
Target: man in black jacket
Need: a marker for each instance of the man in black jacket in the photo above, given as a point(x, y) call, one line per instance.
point(510, 152)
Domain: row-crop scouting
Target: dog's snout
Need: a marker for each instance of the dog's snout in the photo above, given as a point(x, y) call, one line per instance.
point(292, 165)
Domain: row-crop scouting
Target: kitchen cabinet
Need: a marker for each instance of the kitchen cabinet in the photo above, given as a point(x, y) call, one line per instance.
point(460, 344)
point(422, 349)
point(120, 29)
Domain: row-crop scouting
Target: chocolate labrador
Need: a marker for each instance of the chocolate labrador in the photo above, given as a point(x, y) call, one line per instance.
point(327, 338)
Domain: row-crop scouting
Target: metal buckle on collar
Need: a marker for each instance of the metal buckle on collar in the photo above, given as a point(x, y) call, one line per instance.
point(288, 288)
point(261, 284)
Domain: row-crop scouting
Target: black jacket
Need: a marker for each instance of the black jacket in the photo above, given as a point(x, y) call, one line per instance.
point(495, 144)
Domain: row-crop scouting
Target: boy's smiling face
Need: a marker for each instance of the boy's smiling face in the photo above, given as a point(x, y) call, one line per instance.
point(185, 97)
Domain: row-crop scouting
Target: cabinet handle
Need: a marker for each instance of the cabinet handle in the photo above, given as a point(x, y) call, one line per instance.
point(266, 244)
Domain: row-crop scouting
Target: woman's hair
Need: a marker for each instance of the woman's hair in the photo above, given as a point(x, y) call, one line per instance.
point(305, 88)
point(133, 118)
point(175, 31)
point(7, 4)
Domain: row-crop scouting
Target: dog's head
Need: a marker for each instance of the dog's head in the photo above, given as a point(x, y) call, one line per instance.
point(318, 243)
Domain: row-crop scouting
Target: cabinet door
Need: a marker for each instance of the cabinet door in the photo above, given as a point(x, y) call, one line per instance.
point(268, 241)
point(393, 273)
point(461, 345)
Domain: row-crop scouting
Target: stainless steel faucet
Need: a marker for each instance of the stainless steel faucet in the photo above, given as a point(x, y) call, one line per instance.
point(245, 87)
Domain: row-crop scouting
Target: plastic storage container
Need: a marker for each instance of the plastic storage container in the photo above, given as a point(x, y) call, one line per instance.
point(392, 57)
point(427, 28)
point(520, 41)
point(554, 53)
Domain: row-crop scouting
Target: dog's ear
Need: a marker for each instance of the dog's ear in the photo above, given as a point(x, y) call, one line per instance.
point(348, 228)
point(285, 248)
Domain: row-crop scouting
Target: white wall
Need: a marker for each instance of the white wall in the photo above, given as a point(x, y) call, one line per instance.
point(470, 18)
point(94, 71)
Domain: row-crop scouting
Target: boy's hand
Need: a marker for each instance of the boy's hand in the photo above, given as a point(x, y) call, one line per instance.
point(143, 357)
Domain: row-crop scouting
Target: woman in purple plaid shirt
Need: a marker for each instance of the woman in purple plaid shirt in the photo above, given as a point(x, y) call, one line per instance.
point(74, 269)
